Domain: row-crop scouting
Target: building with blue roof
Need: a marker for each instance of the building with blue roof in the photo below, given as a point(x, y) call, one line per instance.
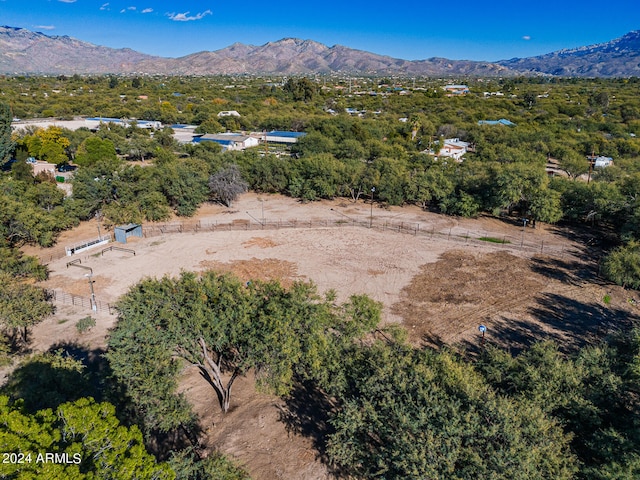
point(229, 141)
point(280, 136)
point(502, 121)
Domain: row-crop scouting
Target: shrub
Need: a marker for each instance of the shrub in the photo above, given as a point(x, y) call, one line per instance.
point(85, 324)
point(622, 265)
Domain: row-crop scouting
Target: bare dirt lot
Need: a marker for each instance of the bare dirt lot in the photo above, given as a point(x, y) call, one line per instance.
point(435, 277)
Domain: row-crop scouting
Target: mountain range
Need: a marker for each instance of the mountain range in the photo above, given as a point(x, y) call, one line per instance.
point(25, 52)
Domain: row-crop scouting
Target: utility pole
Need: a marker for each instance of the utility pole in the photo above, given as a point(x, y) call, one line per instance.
point(94, 306)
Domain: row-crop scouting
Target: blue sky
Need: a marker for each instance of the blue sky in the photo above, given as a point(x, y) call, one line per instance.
point(463, 29)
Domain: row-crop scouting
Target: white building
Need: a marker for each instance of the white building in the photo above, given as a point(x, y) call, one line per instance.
point(229, 141)
point(94, 123)
point(280, 136)
point(601, 161)
point(453, 148)
point(228, 113)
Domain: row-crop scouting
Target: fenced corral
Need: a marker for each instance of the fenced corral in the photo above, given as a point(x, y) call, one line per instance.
point(521, 241)
point(487, 239)
point(80, 301)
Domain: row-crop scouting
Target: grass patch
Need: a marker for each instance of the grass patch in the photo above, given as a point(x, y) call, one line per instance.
point(63, 320)
point(606, 299)
point(494, 240)
point(85, 324)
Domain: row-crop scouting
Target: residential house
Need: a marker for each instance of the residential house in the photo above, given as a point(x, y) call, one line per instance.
point(279, 136)
point(40, 166)
point(229, 141)
point(451, 148)
point(599, 161)
point(454, 148)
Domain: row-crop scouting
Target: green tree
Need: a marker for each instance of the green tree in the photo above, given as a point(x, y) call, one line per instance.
point(406, 413)
point(573, 163)
point(47, 380)
point(184, 184)
point(516, 183)
point(86, 436)
point(21, 306)
point(49, 144)
point(461, 203)
point(600, 100)
point(313, 143)
point(18, 265)
point(94, 149)
point(215, 467)
point(301, 89)
point(592, 394)
point(7, 144)
point(622, 265)
point(529, 99)
point(394, 180)
point(433, 184)
point(321, 175)
point(218, 325)
point(269, 174)
point(544, 206)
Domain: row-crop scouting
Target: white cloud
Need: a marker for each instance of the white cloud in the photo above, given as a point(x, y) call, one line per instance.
point(44, 27)
point(185, 17)
point(67, 1)
point(526, 37)
point(147, 10)
point(128, 9)
point(105, 6)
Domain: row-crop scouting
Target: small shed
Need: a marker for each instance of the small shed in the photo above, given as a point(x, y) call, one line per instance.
point(123, 232)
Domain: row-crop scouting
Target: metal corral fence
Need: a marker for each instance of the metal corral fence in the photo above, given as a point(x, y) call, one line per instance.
point(84, 302)
point(500, 241)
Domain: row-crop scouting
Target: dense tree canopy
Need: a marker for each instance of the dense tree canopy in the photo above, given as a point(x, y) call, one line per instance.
point(21, 306)
point(411, 414)
point(6, 142)
point(224, 329)
point(84, 440)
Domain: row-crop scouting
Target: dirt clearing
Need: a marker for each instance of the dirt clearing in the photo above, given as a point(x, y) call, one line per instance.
point(439, 284)
point(519, 300)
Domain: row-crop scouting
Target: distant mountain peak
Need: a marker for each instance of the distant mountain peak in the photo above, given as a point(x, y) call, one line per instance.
point(23, 51)
point(617, 58)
